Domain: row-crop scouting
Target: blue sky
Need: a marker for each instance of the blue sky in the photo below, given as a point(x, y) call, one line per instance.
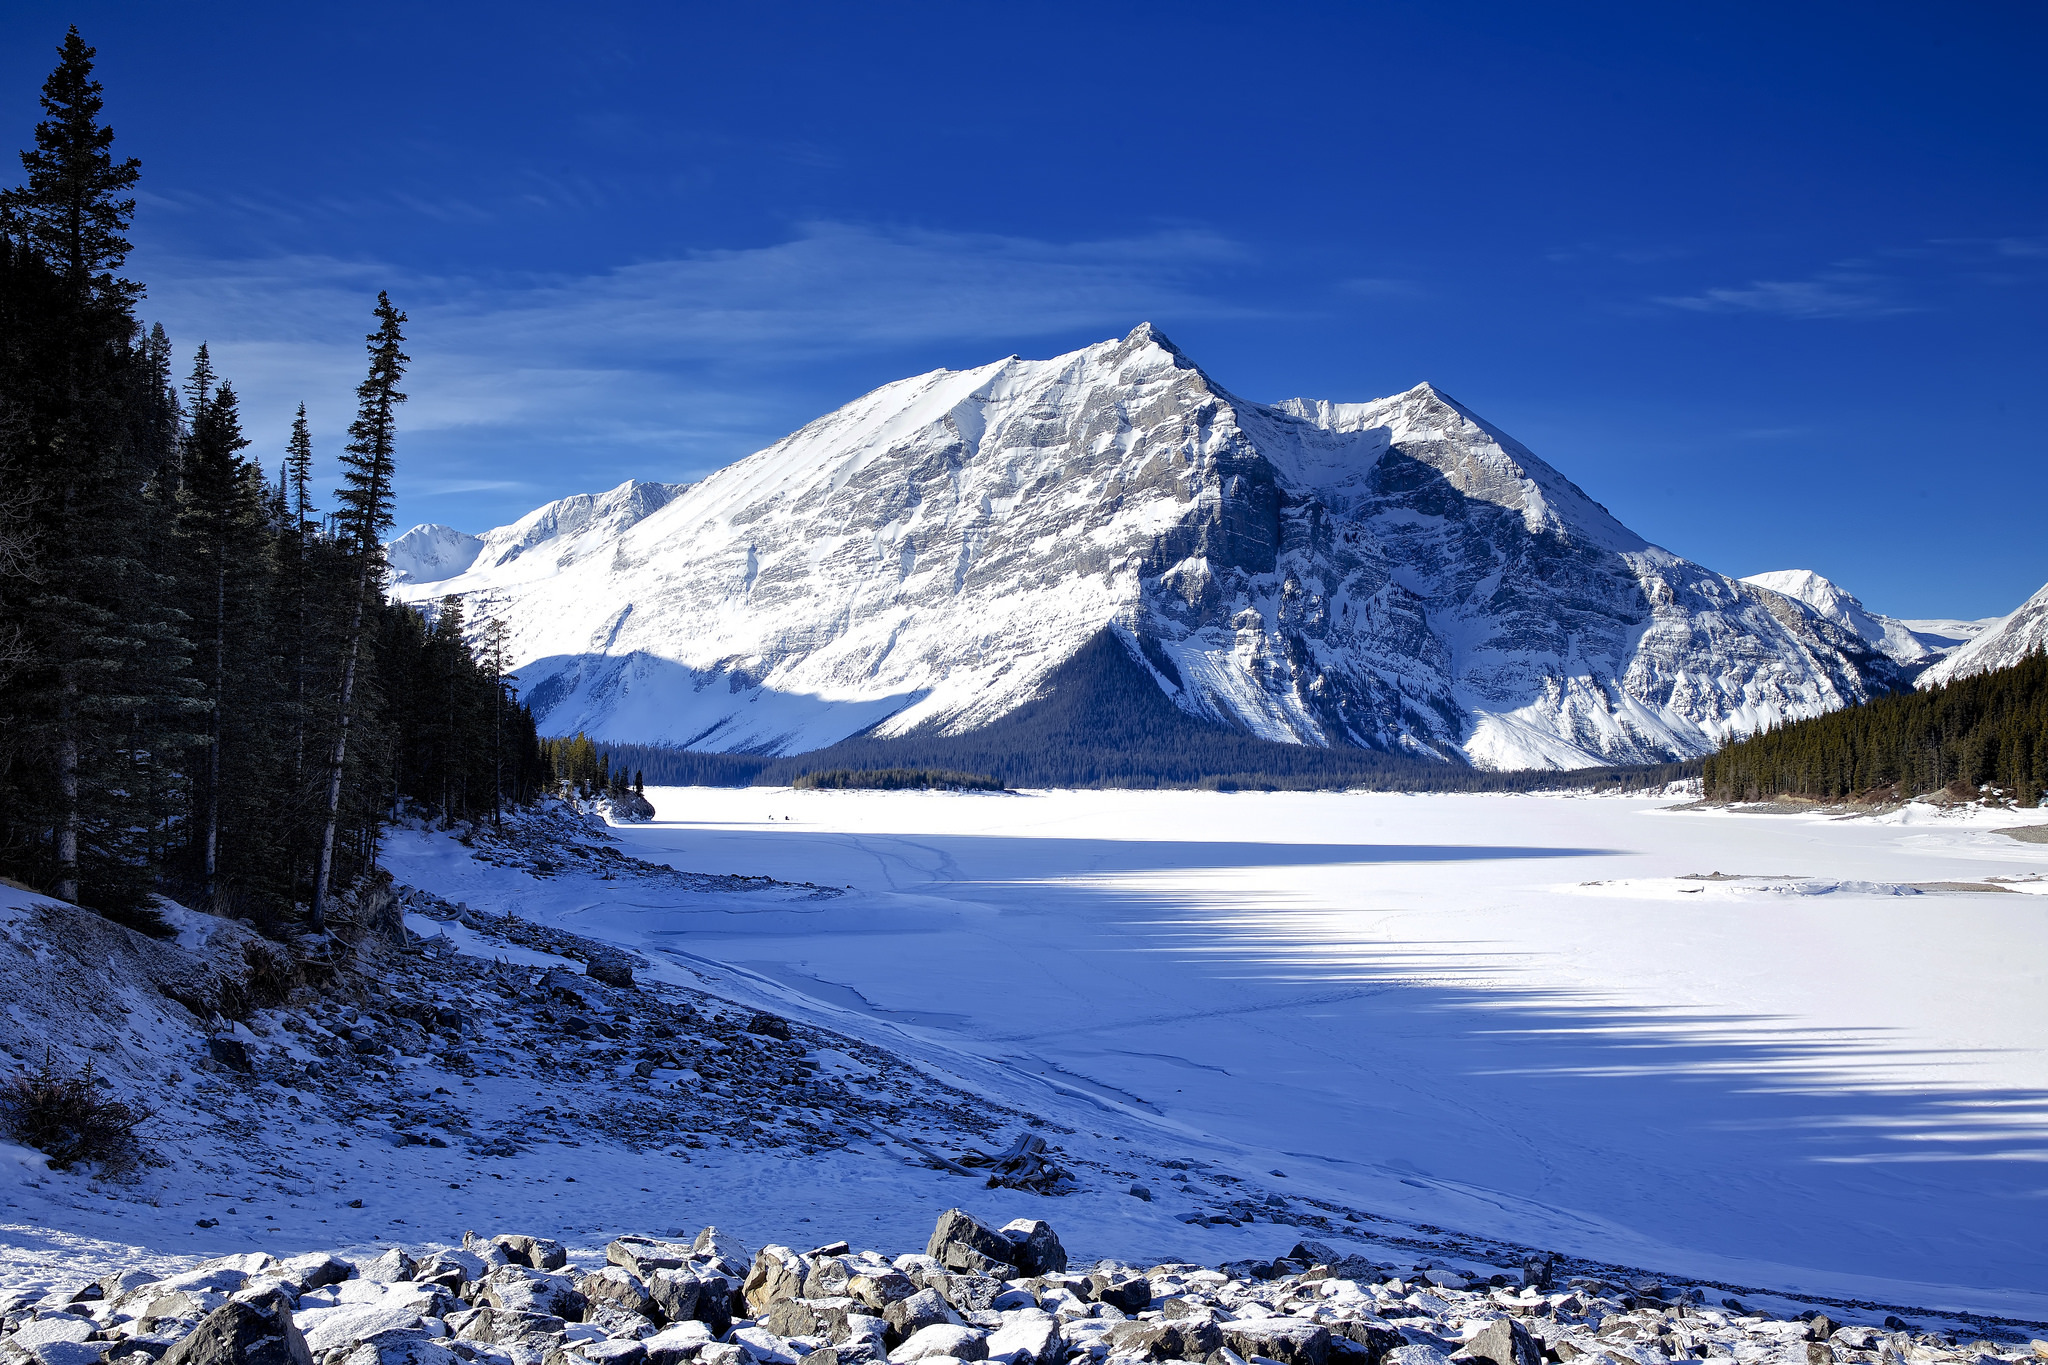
point(1769, 281)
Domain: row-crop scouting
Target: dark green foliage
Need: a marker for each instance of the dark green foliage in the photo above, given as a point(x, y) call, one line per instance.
point(185, 651)
point(1990, 730)
point(1103, 722)
point(896, 779)
point(68, 1120)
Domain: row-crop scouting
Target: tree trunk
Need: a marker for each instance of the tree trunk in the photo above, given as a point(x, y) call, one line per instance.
point(67, 787)
point(220, 654)
point(340, 759)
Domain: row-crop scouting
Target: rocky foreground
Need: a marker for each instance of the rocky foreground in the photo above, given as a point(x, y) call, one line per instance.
point(975, 1294)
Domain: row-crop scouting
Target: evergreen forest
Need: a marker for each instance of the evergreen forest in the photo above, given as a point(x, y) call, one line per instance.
point(1989, 731)
point(205, 691)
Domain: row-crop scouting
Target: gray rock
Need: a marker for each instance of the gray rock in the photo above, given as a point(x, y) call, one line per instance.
point(1028, 1337)
point(778, 1273)
point(644, 1255)
point(1503, 1342)
point(231, 1053)
point(722, 1246)
point(613, 969)
point(612, 1352)
point(675, 1294)
point(941, 1339)
point(811, 1318)
point(674, 1345)
point(960, 1241)
point(1036, 1248)
point(968, 1293)
point(400, 1348)
point(880, 1288)
point(316, 1270)
point(926, 1308)
point(393, 1267)
point(1291, 1341)
point(515, 1288)
point(618, 1287)
point(1416, 1354)
point(243, 1334)
point(830, 1275)
point(541, 1253)
point(1131, 1293)
point(1179, 1339)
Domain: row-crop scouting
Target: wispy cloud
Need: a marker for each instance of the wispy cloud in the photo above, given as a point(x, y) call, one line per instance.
point(658, 356)
point(1838, 295)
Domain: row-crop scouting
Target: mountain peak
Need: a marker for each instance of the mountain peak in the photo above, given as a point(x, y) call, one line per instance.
point(1145, 333)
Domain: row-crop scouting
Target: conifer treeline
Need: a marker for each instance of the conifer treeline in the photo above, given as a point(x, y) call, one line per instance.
point(1986, 730)
point(204, 690)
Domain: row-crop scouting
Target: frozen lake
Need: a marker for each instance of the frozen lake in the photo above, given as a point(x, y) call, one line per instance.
point(1516, 1015)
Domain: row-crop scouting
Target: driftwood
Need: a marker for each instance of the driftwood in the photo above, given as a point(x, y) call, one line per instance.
point(1026, 1166)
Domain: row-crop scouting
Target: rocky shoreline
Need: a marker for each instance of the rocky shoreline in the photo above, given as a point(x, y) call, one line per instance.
point(975, 1293)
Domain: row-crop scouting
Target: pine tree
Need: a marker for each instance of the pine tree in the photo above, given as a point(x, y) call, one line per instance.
point(101, 711)
point(365, 515)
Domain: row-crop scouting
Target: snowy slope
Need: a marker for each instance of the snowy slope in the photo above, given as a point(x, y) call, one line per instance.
point(2011, 640)
point(1395, 575)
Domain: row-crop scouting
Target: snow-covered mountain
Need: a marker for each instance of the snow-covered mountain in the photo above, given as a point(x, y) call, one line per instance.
point(2005, 644)
point(569, 528)
point(1395, 575)
point(1912, 643)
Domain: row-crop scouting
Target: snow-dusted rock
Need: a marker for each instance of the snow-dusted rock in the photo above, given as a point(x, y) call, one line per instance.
point(1896, 639)
point(941, 1339)
point(2023, 633)
point(1395, 575)
point(243, 1334)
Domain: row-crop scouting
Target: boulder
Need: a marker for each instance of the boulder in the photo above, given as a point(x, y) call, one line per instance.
point(722, 1246)
point(515, 1288)
point(926, 1308)
point(829, 1277)
point(616, 1286)
point(810, 1318)
point(674, 1345)
point(1179, 1339)
point(314, 1271)
point(960, 1241)
point(1416, 1354)
point(880, 1288)
point(1130, 1293)
point(778, 1273)
point(393, 1267)
point(941, 1339)
point(400, 1348)
point(485, 1250)
point(1036, 1248)
point(540, 1253)
point(231, 1053)
point(1291, 1341)
point(764, 1345)
point(327, 1328)
point(243, 1334)
point(1377, 1339)
point(1029, 1336)
point(612, 1352)
point(644, 1255)
point(1502, 1342)
point(675, 1294)
point(769, 1026)
point(967, 1293)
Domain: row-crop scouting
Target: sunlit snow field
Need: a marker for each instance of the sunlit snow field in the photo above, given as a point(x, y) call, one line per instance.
point(1506, 1014)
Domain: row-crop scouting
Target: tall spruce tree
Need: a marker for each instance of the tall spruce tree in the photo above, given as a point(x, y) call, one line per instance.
point(100, 711)
point(365, 514)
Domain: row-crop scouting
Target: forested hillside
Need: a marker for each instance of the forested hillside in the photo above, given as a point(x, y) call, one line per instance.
point(1987, 730)
point(204, 690)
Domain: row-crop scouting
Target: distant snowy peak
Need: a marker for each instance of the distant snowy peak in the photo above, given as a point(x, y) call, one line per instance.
point(431, 552)
point(1897, 639)
point(1395, 575)
point(2005, 644)
point(548, 539)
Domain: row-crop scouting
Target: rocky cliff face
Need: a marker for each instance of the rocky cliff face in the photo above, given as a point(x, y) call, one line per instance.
point(1394, 575)
point(2023, 633)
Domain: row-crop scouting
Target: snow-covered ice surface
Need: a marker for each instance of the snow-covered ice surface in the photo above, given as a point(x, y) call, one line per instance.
point(1501, 1014)
point(1532, 1018)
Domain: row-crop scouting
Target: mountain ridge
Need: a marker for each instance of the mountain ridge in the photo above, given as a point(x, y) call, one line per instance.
point(1396, 575)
